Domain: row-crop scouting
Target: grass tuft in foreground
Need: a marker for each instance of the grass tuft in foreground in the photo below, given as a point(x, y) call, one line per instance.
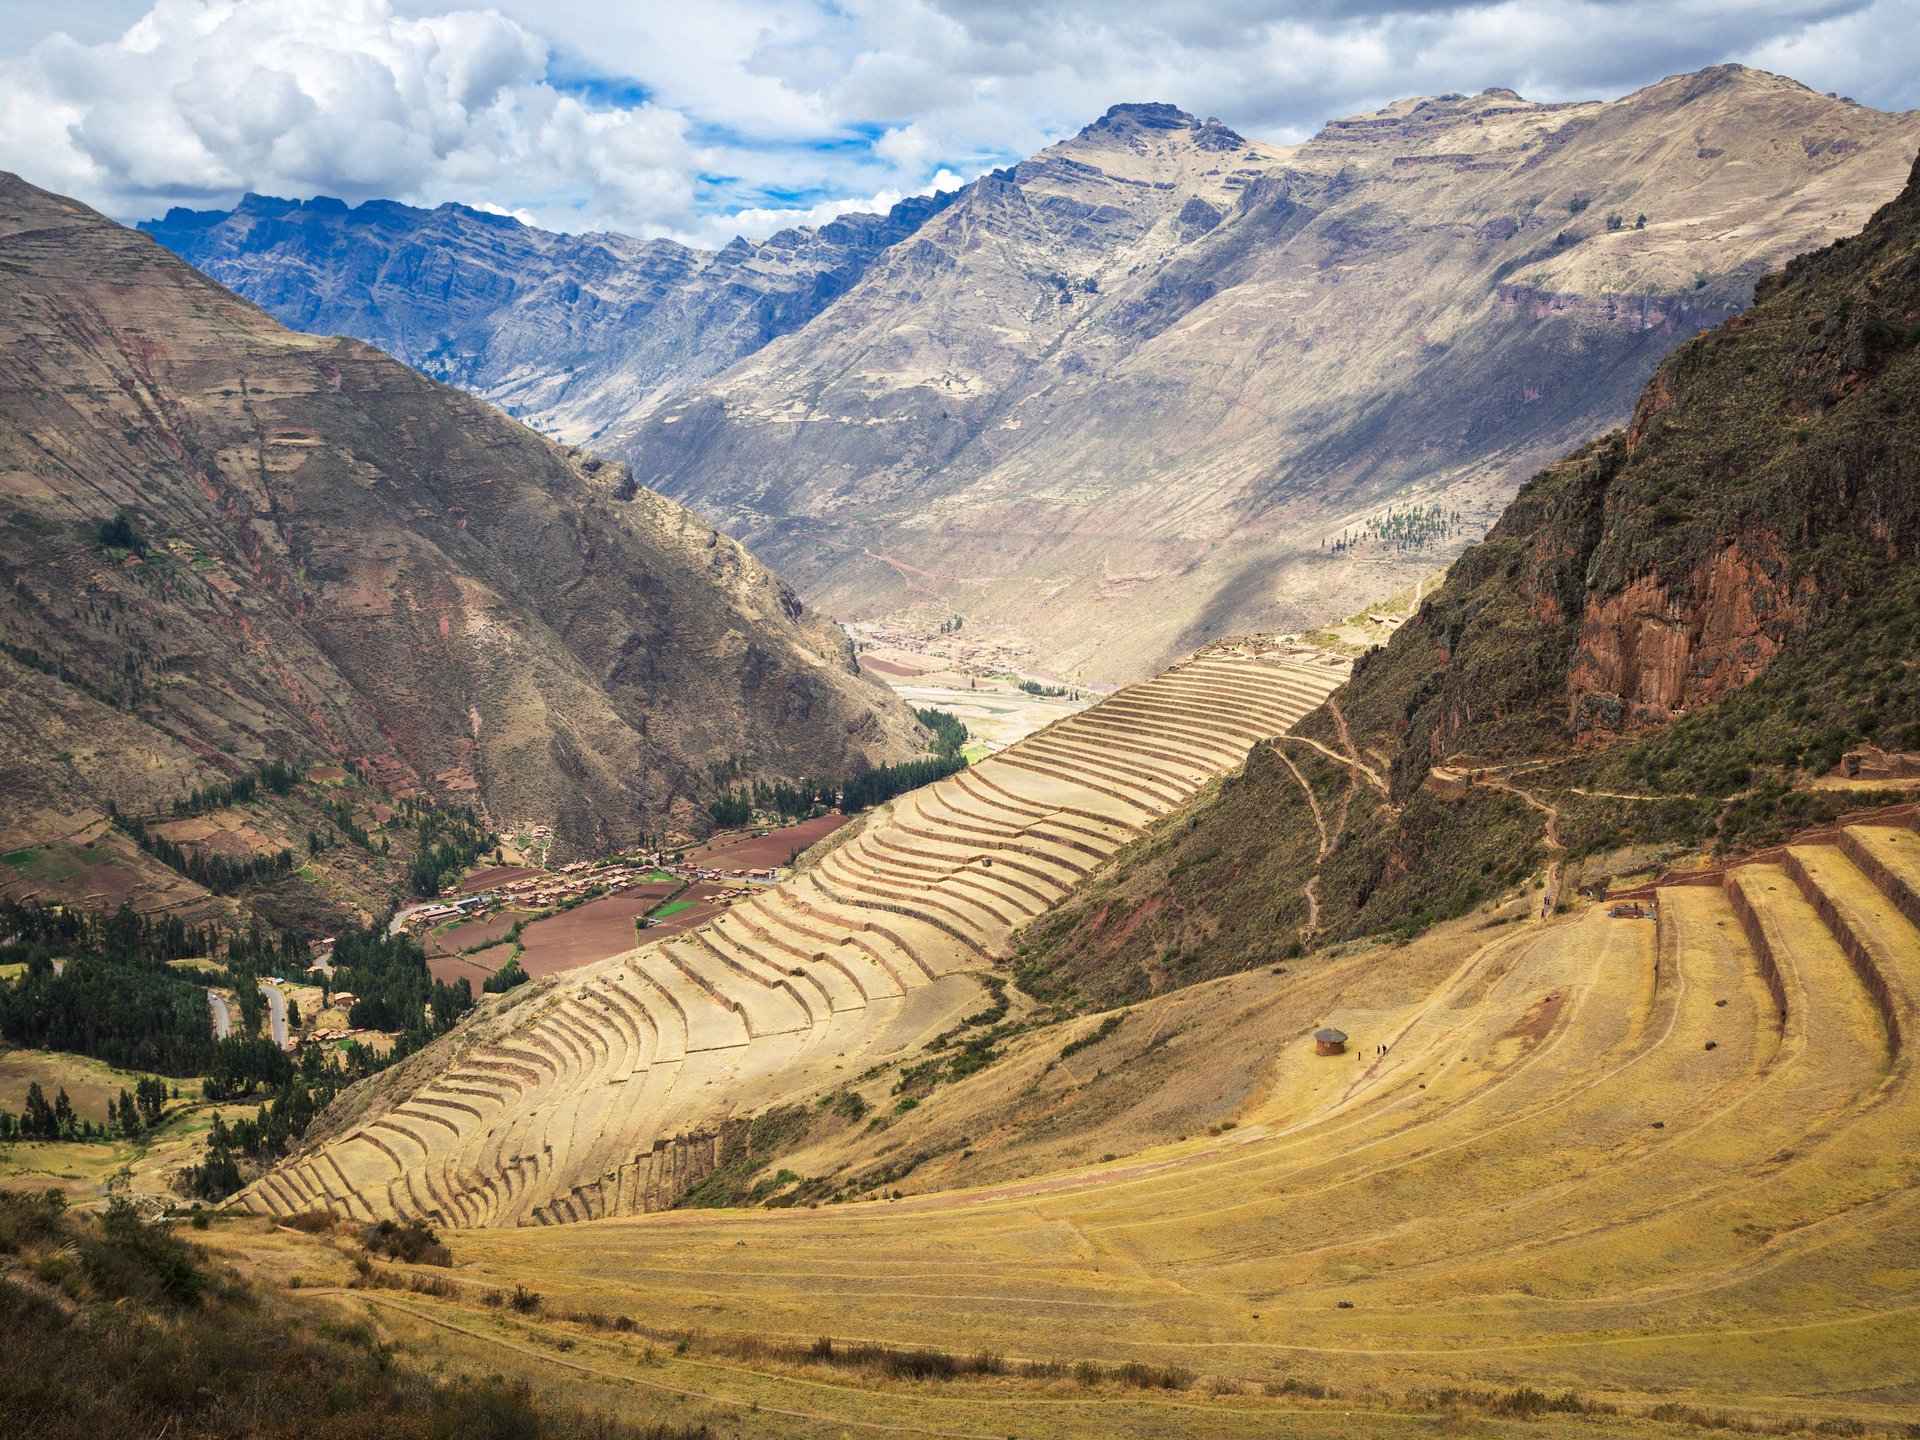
point(117, 1326)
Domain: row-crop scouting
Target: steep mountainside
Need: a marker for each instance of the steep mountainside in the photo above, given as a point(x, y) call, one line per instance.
point(1163, 368)
point(225, 542)
point(571, 332)
point(1700, 632)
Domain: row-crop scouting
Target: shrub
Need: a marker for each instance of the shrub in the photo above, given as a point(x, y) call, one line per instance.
point(851, 1106)
point(505, 978)
point(119, 534)
point(1094, 1037)
point(1153, 1377)
point(413, 1243)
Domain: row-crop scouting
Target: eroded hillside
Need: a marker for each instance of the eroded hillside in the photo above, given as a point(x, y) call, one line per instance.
point(1163, 367)
point(226, 543)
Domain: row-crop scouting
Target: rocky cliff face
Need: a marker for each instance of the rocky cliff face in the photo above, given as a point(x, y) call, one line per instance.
point(1165, 367)
point(572, 333)
point(340, 559)
point(1646, 655)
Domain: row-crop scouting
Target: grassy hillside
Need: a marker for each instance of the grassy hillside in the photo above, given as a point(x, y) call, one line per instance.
point(119, 1327)
point(1682, 636)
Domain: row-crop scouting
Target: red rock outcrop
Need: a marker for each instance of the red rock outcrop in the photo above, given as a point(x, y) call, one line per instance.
point(1645, 655)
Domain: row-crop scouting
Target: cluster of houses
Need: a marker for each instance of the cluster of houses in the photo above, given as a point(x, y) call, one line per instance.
point(428, 916)
point(548, 889)
point(726, 877)
point(977, 655)
point(541, 891)
point(330, 1035)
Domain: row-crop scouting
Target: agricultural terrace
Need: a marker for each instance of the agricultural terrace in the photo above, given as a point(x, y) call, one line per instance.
point(598, 1092)
point(1657, 1167)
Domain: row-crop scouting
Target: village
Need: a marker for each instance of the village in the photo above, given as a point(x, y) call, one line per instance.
point(573, 884)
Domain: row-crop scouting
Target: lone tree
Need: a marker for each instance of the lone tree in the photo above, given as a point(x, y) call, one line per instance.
point(119, 534)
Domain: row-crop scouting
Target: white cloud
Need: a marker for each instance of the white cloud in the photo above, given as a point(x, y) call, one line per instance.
point(763, 220)
point(749, 115)
point(202, 99)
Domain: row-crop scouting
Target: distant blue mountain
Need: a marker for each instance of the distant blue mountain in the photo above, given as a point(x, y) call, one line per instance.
point(576, 334)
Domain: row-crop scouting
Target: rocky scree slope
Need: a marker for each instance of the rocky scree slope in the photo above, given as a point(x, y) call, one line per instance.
point(572, 333)
point(1689, 633)
point(339, 559)
point(1160, 366)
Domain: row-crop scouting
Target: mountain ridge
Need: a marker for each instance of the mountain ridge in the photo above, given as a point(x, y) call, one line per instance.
point(541, 323)
point(229, 543)
point(1416, 308)
point(1261, 384)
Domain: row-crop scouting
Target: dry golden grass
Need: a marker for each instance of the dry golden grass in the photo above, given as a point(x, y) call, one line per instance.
point(752, 1388)
point(1596, 1158)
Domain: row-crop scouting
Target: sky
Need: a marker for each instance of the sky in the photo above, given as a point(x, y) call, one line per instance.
point(702, 119)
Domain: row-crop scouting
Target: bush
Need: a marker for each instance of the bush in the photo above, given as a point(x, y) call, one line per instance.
point(119, 534)
point(413, 1243)
point(1088, 1041)
point(505, 978)
point(851, 1106)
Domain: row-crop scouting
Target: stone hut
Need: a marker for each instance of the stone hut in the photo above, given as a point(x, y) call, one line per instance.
point(1329, 1041)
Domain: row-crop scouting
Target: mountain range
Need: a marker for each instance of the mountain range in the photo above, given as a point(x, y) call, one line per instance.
point(228, 543)
point(1224, 384)
point(573, 333)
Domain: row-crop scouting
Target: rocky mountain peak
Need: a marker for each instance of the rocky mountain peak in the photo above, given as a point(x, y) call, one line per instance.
point(1423, 117)
point(1135, 149)
point(1147, 122)
point(1147, 115)
point(1739, 93)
